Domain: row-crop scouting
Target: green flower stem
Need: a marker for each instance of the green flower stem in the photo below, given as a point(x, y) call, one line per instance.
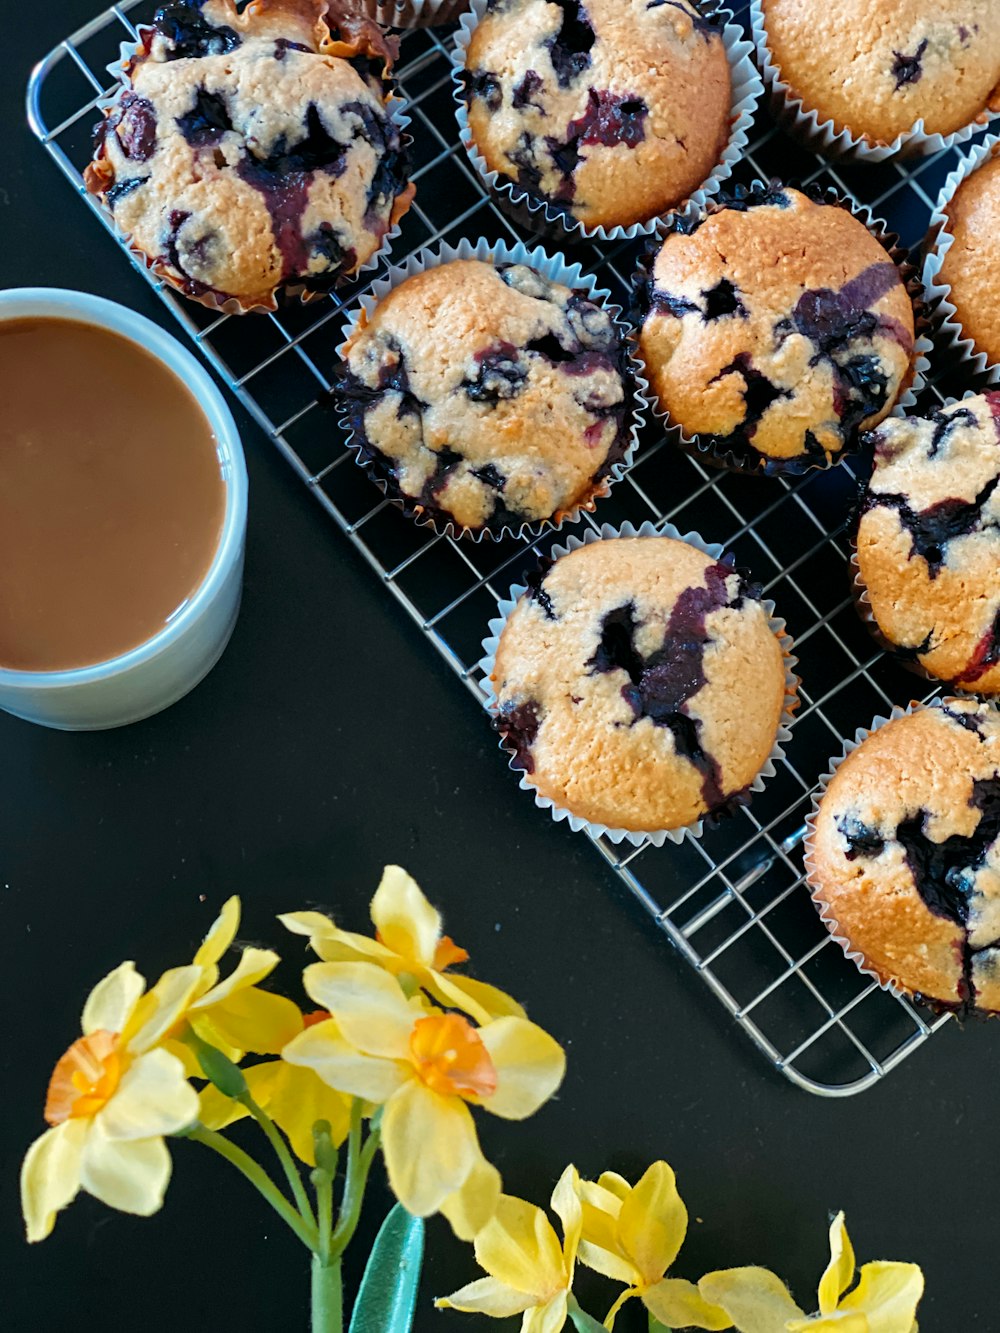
point(284, 1156)
point(323, 1183)
point(259, 1178)
point(359, 1160)
point(327, 1297)
point(655, 1326)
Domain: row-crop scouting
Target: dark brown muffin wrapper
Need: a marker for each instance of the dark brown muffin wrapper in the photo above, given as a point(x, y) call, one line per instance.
point(707, 450)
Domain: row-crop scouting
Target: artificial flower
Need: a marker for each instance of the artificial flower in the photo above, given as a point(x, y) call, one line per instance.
point(425, 1068)
point(408, 942)
point(233, 1015)
point(530, 1273)
point(884, 1301)
point(111, 1099)
point(293, 1096)
point(633, 1234)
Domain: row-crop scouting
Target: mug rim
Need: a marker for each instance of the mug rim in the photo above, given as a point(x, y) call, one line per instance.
point(98, 312)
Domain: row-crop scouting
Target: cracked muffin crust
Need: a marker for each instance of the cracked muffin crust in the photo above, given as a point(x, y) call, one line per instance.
point(928, 541)
point(639, 683)
point(488, 395)
point(774, 329)
point(611, 111)
point(904, 857)
point(971, 264)
point(253, 151)
point(875, 69)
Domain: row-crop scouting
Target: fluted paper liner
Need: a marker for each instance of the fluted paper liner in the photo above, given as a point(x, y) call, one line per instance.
point(414, 13)
point(618, 835)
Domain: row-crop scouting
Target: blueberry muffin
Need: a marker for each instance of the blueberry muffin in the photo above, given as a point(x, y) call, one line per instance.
point(774, 329)
point(252, 151)
point(639, 684)
point(928, 541)
point(971, 265)
point(904, 857)
point(876, 67)
point(609, 111)
point(487, 396)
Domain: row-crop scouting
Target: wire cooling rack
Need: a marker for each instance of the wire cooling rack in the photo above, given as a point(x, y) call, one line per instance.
point(734, 903)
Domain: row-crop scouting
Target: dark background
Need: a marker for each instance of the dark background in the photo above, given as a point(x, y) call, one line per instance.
point(330, 739)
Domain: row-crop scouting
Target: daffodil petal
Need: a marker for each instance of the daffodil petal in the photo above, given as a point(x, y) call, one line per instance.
point(679, 1304)
point(519, 1247)
point(323, 1049)
point(307, 923)
point(220, 935)
point(549, 1317)
point(153, 1098)
point(429, 1144)
point(837, 1322)
point(479, 1000)
point(614, 1184)
point(334, 945)
point(888, 1293)
point(530, 1066)
point(254, 966)
point(600, 1244)
point(183, 1052)
point(130, 1175)
point(110, 1004)
point(50, 1176)
point(754, 1298)
point(487, 1296)
point(475, 1202)
point(216, 1111)
point(405, 920)
point(295, 1098)
point(368, 1004)
point(603, 1259)
point(652, 1223)
point(254, 1020)
point(162, 1008)
point(566, 1206)
point(840, 1270)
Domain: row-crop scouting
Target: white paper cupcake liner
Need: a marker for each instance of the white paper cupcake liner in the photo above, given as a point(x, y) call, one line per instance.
point(939, 242)
point(397, 107)
point(705, 449)
point(556, 268)
point(822, 136)
point(414, 13)
point(618, 835)
point(538, 215)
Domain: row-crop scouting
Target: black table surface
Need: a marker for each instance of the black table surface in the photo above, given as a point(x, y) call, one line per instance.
point(329, 740)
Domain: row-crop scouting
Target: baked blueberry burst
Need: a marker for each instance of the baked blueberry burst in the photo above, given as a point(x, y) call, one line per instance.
point(485, 397)
point(253, 151)
point(928, 541)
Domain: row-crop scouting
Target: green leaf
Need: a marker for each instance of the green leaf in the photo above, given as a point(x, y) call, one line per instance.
point(218, 1068)
point(581, 1321)
point(388, 1292)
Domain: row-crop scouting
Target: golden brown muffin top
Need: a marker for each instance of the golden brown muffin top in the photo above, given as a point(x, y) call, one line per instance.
point(877, 68)
point(489, 396)
point(928, 540)
point(971, 265)
point(776, 329)
point(247, 153)
point(640, 684)
point(906, 853)
point(611, 110)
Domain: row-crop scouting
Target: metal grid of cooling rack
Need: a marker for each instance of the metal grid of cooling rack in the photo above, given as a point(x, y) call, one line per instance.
point(733, 903)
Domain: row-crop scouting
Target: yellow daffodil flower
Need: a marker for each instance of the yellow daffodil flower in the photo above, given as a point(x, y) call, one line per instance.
point(111, 1099)
point(884, 1301)
point(633, 1234)
point(425, 1068)
point(530, 1273)
point(408, 942)
point(234, 1014)
point(292, 1095)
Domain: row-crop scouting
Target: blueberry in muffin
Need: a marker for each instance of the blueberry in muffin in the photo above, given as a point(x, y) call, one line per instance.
point(609, 111)
point(253, 151)
point(639, 684)
point(971, 264)
point(904, 855)
point(928, 541)
point(774, 329)
point(877, 67)
point(487, 396)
